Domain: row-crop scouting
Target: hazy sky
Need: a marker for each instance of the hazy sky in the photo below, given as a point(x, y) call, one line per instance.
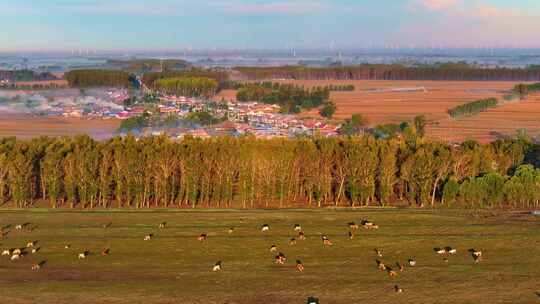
point(170, 24)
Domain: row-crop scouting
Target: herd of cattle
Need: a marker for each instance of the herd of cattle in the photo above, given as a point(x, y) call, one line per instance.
point(280, 258)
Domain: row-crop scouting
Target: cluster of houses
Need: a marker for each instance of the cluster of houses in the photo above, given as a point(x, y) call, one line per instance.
point(108, 106)
point(229, 128)
point(240, 118)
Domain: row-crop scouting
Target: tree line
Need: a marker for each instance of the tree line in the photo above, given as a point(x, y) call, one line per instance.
point(473, 107)
point(340, 88)
point(187, 86)
point(218, 75)
point(98, 78)
point(147, 65)
point(47, 85)
point(247, 172)
point(290, 97)
point(390, 72)
point(523, 89)
point(236, 85)
point(26, 75)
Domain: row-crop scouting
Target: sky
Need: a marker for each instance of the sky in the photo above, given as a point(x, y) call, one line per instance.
point(266, 24)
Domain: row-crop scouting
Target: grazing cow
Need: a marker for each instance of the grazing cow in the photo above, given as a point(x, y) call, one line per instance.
point(217, 266)
point(31, 244)
point(67, 246)
point(476, 254)
point(351, 235)
point(439, 250)
point(391, 272)
point(83, 255)
point(36, 267)
point(162, 225)
point(15, 257)
point(273, 248)
point(297, 227)
point(380, 265)
point(400, 267)
point(105, 252)
point(301, 236)
point(353, 226)
point(450, 250)
point(231, 230)
point(6, 252)
point(378, 252)
point(265, 228)
point(202, 237)
point(366, 223)
point(371, 226)
point(326, 241)
point(398, 289)
point(280, 258)
point(35, 250)
point(412, 262)
point(299, 265)
point(292, 242)
point(148, 237)
point(19, 227)
point(17, 251)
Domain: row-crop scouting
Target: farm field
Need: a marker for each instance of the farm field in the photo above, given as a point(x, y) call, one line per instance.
point(174, 267)
point(27, 126)
point(381, 102)
point(489, 125)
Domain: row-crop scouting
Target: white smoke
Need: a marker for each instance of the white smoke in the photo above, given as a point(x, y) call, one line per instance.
point(54, 101)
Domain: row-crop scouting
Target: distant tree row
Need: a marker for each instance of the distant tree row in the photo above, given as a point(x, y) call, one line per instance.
point(390, 72)
point(472, 108)
point(340, 88)
point(248, 172)
point(524, 89)
point(236, 85)
point(98, 78)
point(25, 75)
point(148, 65)
point(291, 98)
point(149, 79)
point(33, 86)
point(187, 86)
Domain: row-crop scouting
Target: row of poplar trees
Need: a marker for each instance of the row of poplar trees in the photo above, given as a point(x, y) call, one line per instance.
point(247, 172)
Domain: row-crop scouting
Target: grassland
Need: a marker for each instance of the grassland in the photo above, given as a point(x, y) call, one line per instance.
point(174, 267)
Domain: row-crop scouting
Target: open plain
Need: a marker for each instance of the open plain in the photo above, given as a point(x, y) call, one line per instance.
point(386, 101)
point(175, 267)
point(28, 126)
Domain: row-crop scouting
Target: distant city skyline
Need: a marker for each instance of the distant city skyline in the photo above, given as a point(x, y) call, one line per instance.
point(266, 24)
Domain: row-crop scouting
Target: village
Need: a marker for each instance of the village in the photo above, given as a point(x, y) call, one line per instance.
point(236, 119)
point(233, 118)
